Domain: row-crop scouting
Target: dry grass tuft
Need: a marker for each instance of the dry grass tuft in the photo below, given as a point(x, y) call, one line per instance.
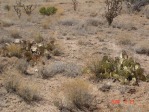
point(15, 83)
point(14, 50)
point(77, 95)
point(28, 92)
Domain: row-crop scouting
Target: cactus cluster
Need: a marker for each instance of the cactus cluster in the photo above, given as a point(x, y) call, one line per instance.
point(124, 69)
point(31, 51)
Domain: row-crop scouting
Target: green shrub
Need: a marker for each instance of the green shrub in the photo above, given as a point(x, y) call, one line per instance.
point(124, 69)
point(48, 11)
point(42, 10)
point(51, 11)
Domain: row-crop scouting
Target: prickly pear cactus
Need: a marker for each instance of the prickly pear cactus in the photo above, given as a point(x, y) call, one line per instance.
point(124, 69)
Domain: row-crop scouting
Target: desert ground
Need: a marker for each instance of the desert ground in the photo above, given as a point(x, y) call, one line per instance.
point(60, 80)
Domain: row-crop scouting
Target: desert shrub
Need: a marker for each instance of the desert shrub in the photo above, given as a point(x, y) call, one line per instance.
point(142, 48)
point(28, 92)
point(22, 65)
point(14, 50)
point(42, 10)
point(29, 9)
point(113, 9)
point(14, 83)
point(49, 71)
point(72, 70)
point(7, 7)
point(124, 69)
point(68, 69)
point(78, 95)
point(48, 11)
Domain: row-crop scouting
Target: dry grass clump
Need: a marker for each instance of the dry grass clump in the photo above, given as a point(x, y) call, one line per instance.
point(77, 94)
point(14, 50)
point(14, 83)
point(68, 69)
point(142, 48)
point(15, 34)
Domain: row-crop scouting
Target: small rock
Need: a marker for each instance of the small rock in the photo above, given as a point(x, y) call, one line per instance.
point(31, 70)
point(17, 41)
